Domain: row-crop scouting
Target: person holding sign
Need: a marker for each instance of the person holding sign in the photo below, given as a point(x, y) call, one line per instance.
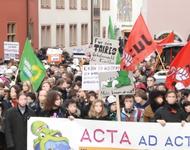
point(171, 111)
point(129, 112)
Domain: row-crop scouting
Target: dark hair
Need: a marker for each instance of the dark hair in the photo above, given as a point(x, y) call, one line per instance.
point(152, 99)
point(141, 93)
point(128, 96)
point(186, 92)
point(91, 93)
point(152, 78)
point(20, 94)
point(69, 102)
point(59, 82)
point(169, 92)
point(78, 83)
point(51, 98)
point(32, 95)
point(17, 88)
point(186, 103)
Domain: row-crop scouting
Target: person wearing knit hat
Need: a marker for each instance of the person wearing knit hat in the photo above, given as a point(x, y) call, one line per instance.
point(112, 108)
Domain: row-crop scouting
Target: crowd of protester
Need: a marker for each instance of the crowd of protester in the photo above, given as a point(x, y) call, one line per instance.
point(60, 95)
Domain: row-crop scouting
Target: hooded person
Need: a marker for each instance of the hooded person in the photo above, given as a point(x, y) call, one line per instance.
point(112, 108)
point(156, 100)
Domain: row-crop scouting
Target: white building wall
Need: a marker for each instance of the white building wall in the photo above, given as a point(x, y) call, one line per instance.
point(104, 21)
point(104, 16)
point(168, 15)
point(65, 16)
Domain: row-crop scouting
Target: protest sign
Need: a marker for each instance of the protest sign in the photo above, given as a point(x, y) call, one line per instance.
point(104, 51)
point(59, 134)
point(116, 83)
point(54, 55)
point(90, 75)
point(11, 50)
point(79, 53)
point(3, 68)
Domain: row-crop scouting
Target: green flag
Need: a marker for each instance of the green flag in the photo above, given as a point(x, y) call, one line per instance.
point(111, 32)
point(30, 67)
point(118, 58)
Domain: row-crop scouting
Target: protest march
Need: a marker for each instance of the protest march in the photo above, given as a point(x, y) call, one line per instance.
point(108, 100)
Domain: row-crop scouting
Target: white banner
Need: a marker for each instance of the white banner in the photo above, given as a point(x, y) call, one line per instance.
point(11, 50)
point(90, 75)
point(63, 134)
point(104, 51)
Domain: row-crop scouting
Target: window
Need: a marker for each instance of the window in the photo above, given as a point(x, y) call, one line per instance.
point(73, 35)
point(84, 34)
point(60, 35)
point(31, 31)
point(104, 32)
point(73, 4)
point(45, 3)
point(11, 32)
point(96, 28)
point(60, 4)
point(96, 3)
point(45, 36)
point(105, 4)
point(84, 4)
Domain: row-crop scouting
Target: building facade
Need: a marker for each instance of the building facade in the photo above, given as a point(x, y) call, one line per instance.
point(164, 16)
point(15, 17)
point(123, 14)
point(65, 24)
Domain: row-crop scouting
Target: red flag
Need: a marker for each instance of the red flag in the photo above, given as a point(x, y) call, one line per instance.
point(179, 73)
point(139, 45)
point(169, 39)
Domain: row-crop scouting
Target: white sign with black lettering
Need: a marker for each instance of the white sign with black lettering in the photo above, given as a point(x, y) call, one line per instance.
point(11, 50)
point(104, 51)
point(90, 75)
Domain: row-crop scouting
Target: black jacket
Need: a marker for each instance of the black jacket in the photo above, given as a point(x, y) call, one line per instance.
point(58, 113)
point(170, 113)
point(16, 128)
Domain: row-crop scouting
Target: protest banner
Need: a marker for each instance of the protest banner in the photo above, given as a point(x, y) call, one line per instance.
point(3, 68)
point(90, 75)
point(104, 51)
point(59, 134)
point(11, 50)
point(54, 55)
point(116, 83)
point(79, 53)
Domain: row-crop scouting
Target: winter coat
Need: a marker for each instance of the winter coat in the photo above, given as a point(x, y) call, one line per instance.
point(134, 115)
point(16, 128)
point(148, 114)
point(170, 113)
point(57, 113)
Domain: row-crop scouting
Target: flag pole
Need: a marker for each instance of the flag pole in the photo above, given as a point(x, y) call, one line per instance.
point(118, 108)
point(161, 60)
point(16, 76)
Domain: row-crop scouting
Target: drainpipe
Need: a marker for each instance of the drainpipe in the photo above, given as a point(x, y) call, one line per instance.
point(92, 20)
point(27, 16)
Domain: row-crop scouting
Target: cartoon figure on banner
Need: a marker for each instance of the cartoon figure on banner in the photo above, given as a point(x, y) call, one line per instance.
point(48, 139)
point(180, 76)
point(121, 80)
